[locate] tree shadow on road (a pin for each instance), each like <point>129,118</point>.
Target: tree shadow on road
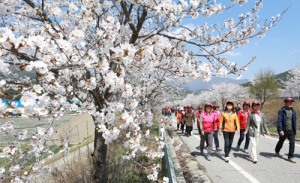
<point>270,155</point>
<point>244,156</point>
<point>196,153</point>
<point>295,155</point>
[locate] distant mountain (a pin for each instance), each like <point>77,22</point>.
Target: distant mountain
<point>12,68</point>
<point>281,76</point>
<point>197,85</point>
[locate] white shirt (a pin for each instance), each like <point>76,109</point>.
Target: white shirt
<point>258,121</point>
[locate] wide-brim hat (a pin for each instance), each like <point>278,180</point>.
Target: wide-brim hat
<point>181,108</point>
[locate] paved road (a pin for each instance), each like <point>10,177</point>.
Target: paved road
<point>240,168</point>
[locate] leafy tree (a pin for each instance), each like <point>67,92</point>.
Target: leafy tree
<point>264,86</point>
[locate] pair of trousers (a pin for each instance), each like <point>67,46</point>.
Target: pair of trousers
<point>207,136</point>
<point>182,126</point>
<point>189,129</point>
<point>254,143</point>
<point>199,130</point>
<point>228,138</point>
<point>178,123</point>
<point>291,136</point>
<point>241,139</point>
<point>216,139</point>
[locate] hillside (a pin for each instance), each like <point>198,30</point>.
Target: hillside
<point>198,85</point>
<point>20,73</point>
<point>31,74</point>
<point>278,77</point>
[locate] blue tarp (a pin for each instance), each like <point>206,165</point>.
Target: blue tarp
<point>18,102</point>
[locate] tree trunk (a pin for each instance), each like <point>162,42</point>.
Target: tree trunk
<point>99,159</point>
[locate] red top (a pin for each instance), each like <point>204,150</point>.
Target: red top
<point>243,118</point>
<point>217,120</point>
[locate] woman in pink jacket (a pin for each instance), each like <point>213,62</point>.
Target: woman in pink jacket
<point>207,129</point>
<point>217,122</point>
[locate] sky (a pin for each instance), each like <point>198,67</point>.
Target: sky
<point>279,49</point>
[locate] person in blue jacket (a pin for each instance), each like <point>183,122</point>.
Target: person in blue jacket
<point>287,128</point>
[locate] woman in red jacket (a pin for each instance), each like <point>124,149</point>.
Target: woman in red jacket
<point>243,116</point>
<point>207,129</point>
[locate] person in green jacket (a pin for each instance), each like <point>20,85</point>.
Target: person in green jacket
<point>189,118</point>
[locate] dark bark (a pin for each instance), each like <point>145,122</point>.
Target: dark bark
<point>99,159</point>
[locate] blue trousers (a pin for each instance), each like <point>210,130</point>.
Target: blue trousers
<point>242,136</point>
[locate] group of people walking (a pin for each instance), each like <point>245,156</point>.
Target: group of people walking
<point>248,124</point>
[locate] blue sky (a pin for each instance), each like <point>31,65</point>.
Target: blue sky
<point>279,49</point>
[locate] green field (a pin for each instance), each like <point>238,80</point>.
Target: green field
<point>29,124</point>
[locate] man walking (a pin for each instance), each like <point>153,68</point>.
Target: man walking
<point>287,128</point>
<point>238,108</point>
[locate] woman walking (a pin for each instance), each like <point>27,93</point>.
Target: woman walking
<point>199,113</point>
<point>243,116</point>
<point>216,126</point>
<point>189,118</point>
<point>255,123</point>
<point>227,123</point>
<point>179,118</point>
<point>207,123</point>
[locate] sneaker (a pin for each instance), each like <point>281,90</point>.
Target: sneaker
<point>182,132</point>
<point>219,149</point>
<point>208,158</point>
<point>246,151</point>
<point>201,152</point>
<point>188,135</point>
<point>254,160</point>
<point>291,160</point>
<point>226,159</point>
<point>238,147</point>
<point>177,129</point>
<point>250,156</point>
<point>277,154</point>
<point>180,129</point>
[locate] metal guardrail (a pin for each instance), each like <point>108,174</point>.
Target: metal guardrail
<point>170,167</point>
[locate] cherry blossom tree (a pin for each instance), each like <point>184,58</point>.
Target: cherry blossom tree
<point>292,83</point>
<point>221,93</point>
<point>116,57</point>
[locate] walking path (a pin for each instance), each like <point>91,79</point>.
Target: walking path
<point>240,168</point>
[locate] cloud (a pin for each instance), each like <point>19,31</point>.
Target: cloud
<point>233,54</point>
<point>294,51</point>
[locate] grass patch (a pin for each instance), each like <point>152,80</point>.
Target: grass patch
<point>29,124</point>
<point>274,130</point>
